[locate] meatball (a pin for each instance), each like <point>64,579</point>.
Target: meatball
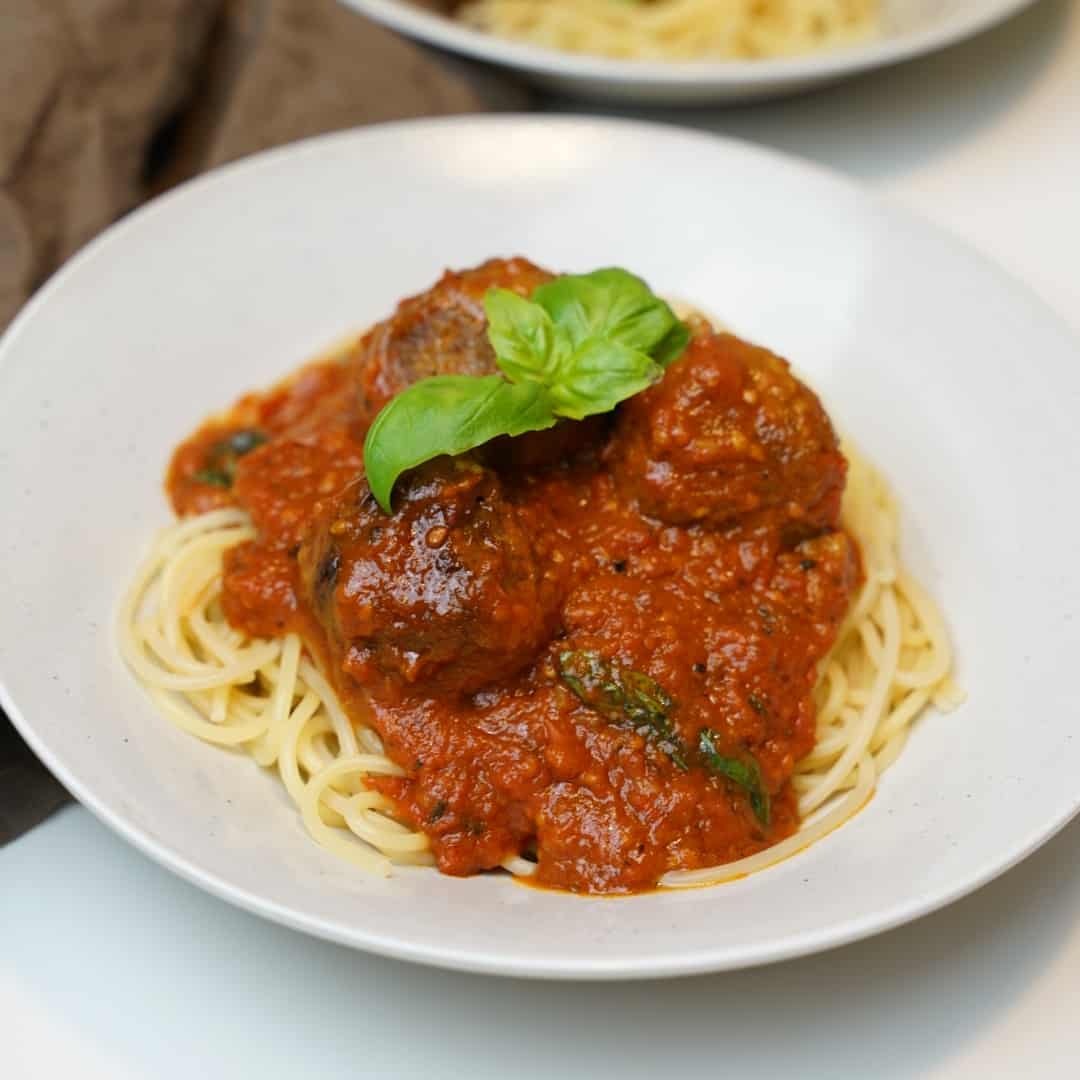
<point>730,435</point>
<point>454,590</point>
<point>815,581</point>
<point>440,332</point>
<point>444,332</point>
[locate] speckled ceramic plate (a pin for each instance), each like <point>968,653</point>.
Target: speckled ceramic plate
<point>963,388</point>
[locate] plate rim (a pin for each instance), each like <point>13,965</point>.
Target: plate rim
<point>752,75</point>
<point>478,960</point>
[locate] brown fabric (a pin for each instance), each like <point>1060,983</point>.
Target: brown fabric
<point>28,794</point>
<point>106,102</point>
<point>83,86</point>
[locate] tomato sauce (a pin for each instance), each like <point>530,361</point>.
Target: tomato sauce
<point>685,554</point>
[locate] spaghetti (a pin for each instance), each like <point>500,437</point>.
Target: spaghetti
<point>678,29</point>
<point>268,698</point>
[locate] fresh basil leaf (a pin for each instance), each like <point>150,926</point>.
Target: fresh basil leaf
<point>448,414</point>
<point>521,333</point>
<point>221,460</point>
<point>565,302</point>
<point>582,343</point>
<point>624,697</point>
<point>672,345</point>
<point>626,310</point>
<point>599,375</point>
<point>612,304</point>
<point>743,772</point>
<point>213,477</point>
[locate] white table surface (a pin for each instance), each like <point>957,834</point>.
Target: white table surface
<point>110,967</point>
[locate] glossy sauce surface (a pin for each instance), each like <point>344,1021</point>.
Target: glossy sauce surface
<point>686,547</point>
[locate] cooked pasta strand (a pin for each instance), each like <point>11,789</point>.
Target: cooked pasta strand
<point>891,660</point>
<point>678,29</point>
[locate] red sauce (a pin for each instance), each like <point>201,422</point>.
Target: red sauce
<point>692,538</point>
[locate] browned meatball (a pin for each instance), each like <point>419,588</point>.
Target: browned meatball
<point>449,593</point>
<point>440,332</point>
<point>730,434</point>
<point>816,580</point>
<point>444,332</point>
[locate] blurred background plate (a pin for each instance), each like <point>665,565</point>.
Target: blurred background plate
<point>910,28</point>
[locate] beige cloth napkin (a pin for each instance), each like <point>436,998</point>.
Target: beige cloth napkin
<point>106,102</point>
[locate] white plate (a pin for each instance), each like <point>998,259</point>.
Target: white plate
<point>910,28</point>
<point>958,383</point>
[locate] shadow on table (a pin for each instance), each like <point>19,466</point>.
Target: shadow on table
<point>894,1006</point>
<point>888,122</point>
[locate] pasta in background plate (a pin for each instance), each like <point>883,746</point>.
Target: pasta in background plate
<point>678,29</point>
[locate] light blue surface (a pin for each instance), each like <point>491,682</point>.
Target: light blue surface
<point>169,982</point>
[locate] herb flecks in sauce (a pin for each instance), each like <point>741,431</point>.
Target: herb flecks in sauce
<point>741,771</point>
<point>631,698</point>
<point>623,696</point>
<point>220,468</point>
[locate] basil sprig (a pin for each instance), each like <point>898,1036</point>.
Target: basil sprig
<point>578,346</point>
<point>632,699</point>
<point>448,414</point>
<point>743,772</point>
<point>625,697</point>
